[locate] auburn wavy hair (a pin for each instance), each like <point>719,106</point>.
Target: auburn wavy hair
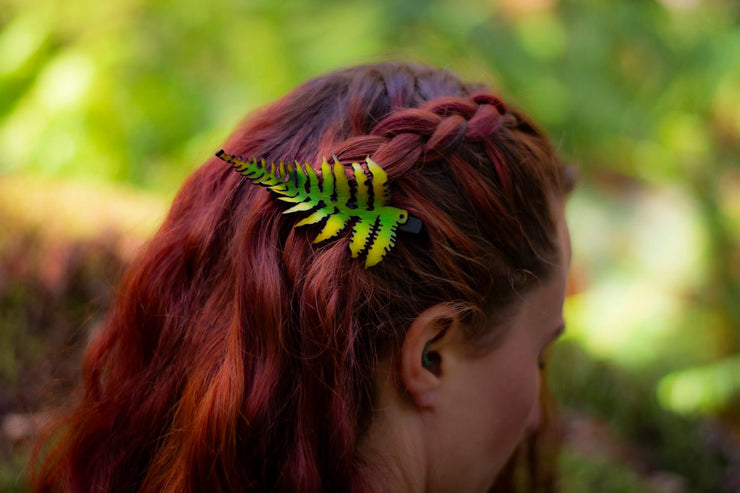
<point>238,355</point>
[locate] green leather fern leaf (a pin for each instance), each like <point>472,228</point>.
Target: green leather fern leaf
<point>336,197</point>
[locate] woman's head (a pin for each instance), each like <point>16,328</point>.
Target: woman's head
<point>239,354</point>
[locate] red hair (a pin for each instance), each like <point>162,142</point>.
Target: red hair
<point>240,356</point>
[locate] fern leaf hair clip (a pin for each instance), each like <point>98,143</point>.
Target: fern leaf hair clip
<point>330,195</point>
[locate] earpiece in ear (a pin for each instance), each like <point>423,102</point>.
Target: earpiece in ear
<point>431,359</point>
<point>426,361</point>
<point>424,351</point>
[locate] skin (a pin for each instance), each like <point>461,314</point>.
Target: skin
<point>453,425</point>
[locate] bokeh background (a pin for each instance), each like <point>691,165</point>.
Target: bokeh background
<point>105,107</point>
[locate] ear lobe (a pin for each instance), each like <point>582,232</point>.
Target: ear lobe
<point>421,360</point>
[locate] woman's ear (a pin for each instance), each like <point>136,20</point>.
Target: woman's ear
<point>422,362</point>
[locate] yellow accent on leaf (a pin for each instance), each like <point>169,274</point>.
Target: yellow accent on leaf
<point>334,225</point>
<point>359,237</point>
<point>302,206</point>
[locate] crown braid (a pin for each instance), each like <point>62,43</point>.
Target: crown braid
<point>430,133</point>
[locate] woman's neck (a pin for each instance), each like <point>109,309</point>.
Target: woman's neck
<point>392,450</point>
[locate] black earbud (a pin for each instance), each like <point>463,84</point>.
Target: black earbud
<point>430,359</point>
<point>426,357</point>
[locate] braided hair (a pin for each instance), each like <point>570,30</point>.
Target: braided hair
<point>238,355</point>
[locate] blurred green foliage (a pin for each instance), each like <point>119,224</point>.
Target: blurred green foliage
<point>595,474</point>
<point>644,97</point>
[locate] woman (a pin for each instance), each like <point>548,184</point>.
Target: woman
<point>399,352</point>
